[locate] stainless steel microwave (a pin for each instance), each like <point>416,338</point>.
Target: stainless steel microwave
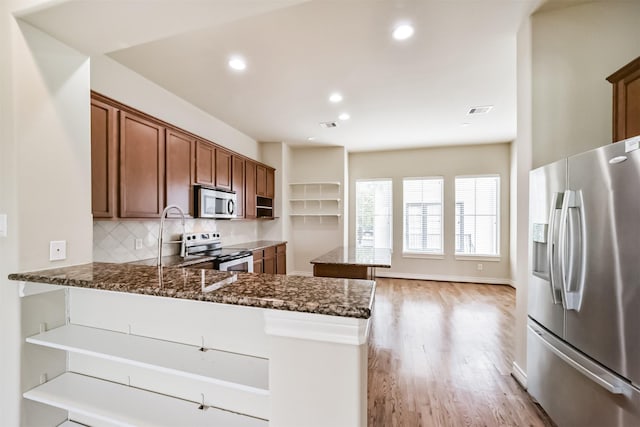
<point>213,203</point>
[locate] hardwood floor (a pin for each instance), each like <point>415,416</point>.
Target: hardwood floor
<point>440,355</point>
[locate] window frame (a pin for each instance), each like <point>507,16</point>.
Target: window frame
<point>480,256</point>
<point>406,253</point>
<point>355,221</point>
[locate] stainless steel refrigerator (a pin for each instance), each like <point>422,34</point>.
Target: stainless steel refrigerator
<point>583,337</point>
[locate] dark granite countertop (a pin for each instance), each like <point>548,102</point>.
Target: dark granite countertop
<point>174,261</point>
<point>367,257</point>
<point>335,297</point>
<point>254,246</point>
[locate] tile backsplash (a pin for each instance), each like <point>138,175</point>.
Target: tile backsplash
<point>114,241</point>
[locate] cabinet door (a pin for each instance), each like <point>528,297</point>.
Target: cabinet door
<point>281,259</point>
<point>269,260</point>
<point>223,169</point>
<point>270,183</point>
<point>237,184</point>
<point>250,190</point>
<point>257,261</point>
<point>261,181</point>
<point>179,166</point>
<point>104,158</point>
<point>141,167</point>
<point>626,101</point>
<point>205,164</point>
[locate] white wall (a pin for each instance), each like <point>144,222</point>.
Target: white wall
<point>314,236</point>
<point>574,50</point>
<point>45,188</point>
<point>447,162</point>
<point>520,167</point>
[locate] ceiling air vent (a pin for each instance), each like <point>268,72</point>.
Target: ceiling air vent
<point>480,110</point>
<point>328,125</point>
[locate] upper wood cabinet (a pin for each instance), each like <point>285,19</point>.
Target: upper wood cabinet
<point>104,159</point>
<point>237,183</point>
<point>261,180</point>
<point>141,167</point>
<point>270,192</point>
<point>180,170</point>
<point>250,190</point>
<point>205,163</point>
<point>626,100</point>
<point>223,169</point>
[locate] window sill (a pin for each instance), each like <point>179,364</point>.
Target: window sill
<point>487,258</point>
<point>422,255</point>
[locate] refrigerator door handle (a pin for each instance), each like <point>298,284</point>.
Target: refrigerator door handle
<point>570,271</point>
<point>611,387</point>
<point>552,246</point>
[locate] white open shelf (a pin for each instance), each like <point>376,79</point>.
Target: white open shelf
<point>232,370</point>
<point>121,405</point>
<point>315,200</point>
<point>316,214</point>
<point>316,183</point>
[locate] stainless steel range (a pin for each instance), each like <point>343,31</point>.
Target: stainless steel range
<point>208,244</point>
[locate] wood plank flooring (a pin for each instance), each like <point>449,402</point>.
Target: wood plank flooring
<point>440,354</point>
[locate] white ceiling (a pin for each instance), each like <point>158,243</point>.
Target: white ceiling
<point>399,94</point>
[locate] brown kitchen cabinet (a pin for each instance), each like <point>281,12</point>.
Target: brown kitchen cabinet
<point>261,180</point>
<point>180,170</point>
<point>237,183</point>
<point>104,159</point>
<point>269,260</point>
<point>140,164</point>
<point>223,169</point>
<point>250,190</point>
<point>205,163</point>
<point>281,259</point>
<point>626,100</point>
<point>270,183</point>
<point>142,147</point>
<point>257,261</point>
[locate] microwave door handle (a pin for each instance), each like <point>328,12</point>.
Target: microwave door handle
<point>231,207</point>
<point>552,247</point>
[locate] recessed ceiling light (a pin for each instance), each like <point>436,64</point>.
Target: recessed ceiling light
<point>464,125</point>
<point>335,97</point>
<point>237,63</point>
<point>311,138</point>
<point>403,32</point>
<point>344,116</point>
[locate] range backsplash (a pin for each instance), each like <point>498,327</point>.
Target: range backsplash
<point>114,241</point>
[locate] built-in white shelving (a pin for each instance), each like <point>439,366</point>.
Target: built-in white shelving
<point>247,373</point>
<point>117,404</point>
<point>315,199</point>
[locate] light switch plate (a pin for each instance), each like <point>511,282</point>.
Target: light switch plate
<point>57,250</point>
<point>3,225</point>
<point>138,244</point>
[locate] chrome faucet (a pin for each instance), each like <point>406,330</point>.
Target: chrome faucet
<point>161,232</point>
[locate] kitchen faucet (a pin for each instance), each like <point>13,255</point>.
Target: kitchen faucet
<point>161,232</point>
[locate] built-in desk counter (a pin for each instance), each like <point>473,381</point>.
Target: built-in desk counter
<point>352,263</point>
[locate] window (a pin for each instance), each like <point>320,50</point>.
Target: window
<point>422,217</point>
<point>477,220</point>
<point>373,213</point>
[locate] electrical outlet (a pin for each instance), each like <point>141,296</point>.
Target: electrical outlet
<point>57,250</point>
<point>479,267</point>
<point>138,244</point>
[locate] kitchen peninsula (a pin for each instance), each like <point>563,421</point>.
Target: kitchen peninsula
<point>240,349</point>
<point>350,262</point>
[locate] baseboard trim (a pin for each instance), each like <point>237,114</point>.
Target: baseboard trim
<point>519,375</point>
<point>444,278</point>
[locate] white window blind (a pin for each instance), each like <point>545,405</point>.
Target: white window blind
<point>422,218</point>
<point>477,219</point>
<point>373,213</point>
